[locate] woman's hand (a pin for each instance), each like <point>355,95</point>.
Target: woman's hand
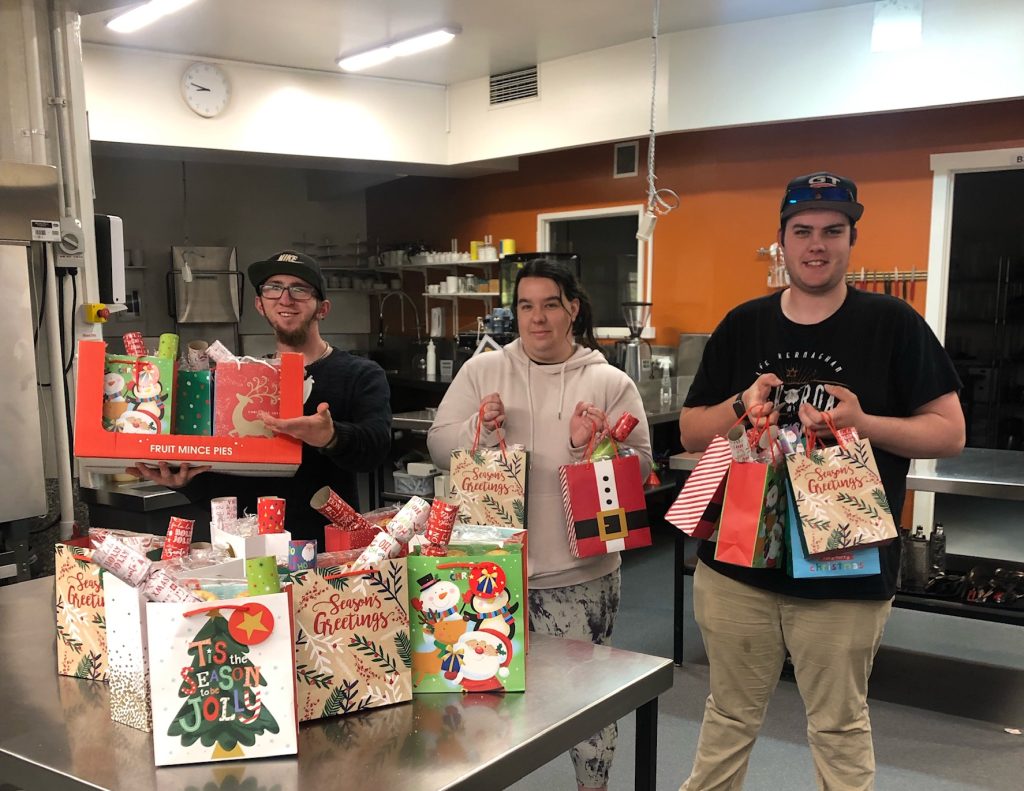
<point>492,411</point>
<point>586,421</point>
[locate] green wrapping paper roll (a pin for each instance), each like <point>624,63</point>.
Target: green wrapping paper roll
<point>168,348</point>
<point>261,574</point>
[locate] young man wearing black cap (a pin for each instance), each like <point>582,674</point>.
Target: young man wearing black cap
<point>871,362</point>
<point>346,426</point>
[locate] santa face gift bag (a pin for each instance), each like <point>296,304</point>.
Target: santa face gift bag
<point>222,679</point>
<point>468,613</point>
<point>352,645</point>
<point>489,484</point>
<point>840,498</point>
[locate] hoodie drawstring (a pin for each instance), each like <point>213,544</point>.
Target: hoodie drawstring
<point>561,389</point>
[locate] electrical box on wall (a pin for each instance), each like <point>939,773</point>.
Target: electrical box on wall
<point>110,258</point>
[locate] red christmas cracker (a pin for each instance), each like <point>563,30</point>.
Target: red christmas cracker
<point>179,538</point>
<point>134,346</point>
<point>623,426</point>
<point>329,503</point>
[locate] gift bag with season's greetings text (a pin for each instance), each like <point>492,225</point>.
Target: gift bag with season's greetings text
<point>138,394</point>
<point>848,563</point>
<point>222,679</point>
<point>751,531</point>
<point>605,506</point>
<point>699,505</point>
<point>81,613</point>
<point>352,646</point>
<point>468,613</point>
<point>840,498</point>
<point>243,389</point>
<point>193,403</point>
<point>489,484</point>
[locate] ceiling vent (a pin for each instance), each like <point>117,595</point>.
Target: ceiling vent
<point>514,85</point>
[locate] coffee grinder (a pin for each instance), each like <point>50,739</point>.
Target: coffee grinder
<point>635,353</point>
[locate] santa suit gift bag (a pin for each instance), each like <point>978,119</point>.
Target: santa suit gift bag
<point>605,506</point>
<point>352,645</point>
<point>468,612</point>
<point>222,679</point>
<point>489,484</point>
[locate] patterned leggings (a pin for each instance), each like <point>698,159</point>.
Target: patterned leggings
<point>582,612</point>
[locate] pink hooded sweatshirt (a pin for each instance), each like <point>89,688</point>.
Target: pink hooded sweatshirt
<point>539,402</point>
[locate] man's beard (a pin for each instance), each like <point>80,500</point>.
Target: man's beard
<point>297,337</point>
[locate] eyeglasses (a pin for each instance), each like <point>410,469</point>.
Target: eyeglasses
<point>805,194</point>
<point>275,290</point>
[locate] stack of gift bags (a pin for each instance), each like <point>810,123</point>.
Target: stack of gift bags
<point>208,391</point>
<point>773,498</point>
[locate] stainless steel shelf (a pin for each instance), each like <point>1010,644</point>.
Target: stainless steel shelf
<point>977,472</point>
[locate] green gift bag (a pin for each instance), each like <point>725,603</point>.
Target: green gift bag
<point>468,619</point>
<point>193,407</point>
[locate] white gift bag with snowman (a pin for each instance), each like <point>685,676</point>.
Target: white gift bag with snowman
<point>138,394</point>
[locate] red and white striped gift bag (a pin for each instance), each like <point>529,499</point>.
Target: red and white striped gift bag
<point>699,504</point>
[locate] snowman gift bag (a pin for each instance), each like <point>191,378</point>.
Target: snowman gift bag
<point>138,394</point>
<point>468,614</point>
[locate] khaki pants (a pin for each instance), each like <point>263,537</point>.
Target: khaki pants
<point>746,633</point>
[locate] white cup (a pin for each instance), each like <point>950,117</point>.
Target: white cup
<point>452,283</point>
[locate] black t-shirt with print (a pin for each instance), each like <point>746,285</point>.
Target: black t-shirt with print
<point>875,345</point>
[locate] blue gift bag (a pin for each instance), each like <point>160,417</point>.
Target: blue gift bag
<point>853,563</point>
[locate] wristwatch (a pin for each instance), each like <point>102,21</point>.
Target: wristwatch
<point>739,407</point>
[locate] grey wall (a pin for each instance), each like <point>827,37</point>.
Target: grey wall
<point>256,209</point>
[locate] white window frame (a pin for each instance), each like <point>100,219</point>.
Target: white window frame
<point>644,254</point>
<point>945,168</point>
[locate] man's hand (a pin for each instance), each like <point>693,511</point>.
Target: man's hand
<point>164,475</point>
<point>846,414</point>
<point>586,420</point>
<point>316,430</point>
<point>492,411</point>
<point>757,400</point>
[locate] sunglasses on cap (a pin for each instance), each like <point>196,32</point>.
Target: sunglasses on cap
<point>810,194</point>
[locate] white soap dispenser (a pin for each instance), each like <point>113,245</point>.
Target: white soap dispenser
<point>431,361</point>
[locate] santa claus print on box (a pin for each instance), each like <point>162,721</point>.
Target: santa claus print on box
<point>468,620</point>
<point>138,394</point>
<point>222,679</point>
<point>243,389</point>
<point>352,646</point>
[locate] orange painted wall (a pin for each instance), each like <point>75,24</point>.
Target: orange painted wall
<point>731,182</point>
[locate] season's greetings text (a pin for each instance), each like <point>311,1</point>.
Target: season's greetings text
<point>830,480</point>
<point>340,612</point>
<point>493,481</point>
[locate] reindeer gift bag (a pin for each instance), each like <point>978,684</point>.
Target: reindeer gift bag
<point>243,389</point>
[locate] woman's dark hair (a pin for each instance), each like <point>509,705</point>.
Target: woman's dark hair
<point>568,287</point>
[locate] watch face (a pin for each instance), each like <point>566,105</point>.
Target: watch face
<point>206,89</point>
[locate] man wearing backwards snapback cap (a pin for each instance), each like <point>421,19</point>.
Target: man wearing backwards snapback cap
<point>346,427</point>
<point>871,362</point>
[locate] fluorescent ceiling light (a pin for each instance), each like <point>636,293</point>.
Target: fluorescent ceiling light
<point>400,48</point>
<point>146,14</point>
<point>897,25</point>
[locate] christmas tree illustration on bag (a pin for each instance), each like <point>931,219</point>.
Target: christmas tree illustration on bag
<point>222,701</point>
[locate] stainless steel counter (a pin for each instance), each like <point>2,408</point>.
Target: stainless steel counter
<point>977,472</point>
<point>139,497</point>
<point>56,732</point>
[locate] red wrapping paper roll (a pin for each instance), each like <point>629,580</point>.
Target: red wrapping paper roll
<point>134,346</point>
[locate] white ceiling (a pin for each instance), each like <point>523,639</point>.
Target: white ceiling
<point>497,35</point>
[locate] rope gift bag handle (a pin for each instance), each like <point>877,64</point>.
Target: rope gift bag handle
<point>498,431</point>
<point>592,441</point>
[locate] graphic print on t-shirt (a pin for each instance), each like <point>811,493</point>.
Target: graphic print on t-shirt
<point>804,375</point>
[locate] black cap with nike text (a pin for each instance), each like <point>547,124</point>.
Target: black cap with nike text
<point>288,262</point>
<point>821,191</point>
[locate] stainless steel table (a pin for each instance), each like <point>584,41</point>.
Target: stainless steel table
<point>976,472</point>
<point>56,732</point>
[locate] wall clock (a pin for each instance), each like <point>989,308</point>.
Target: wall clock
<point>206,89</point>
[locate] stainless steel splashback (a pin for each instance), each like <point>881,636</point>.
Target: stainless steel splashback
<point>204,285</point>
<point>689,353</point>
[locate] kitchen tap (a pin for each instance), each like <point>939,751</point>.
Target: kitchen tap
<point>415,310</point>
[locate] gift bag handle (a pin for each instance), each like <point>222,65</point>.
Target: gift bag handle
<point>593,440</point>
<point>831,423</point>
<point>497,429</point>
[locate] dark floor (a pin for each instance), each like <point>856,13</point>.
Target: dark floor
<point>942,692</point>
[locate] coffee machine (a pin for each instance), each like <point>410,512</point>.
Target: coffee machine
<point>634,354</point>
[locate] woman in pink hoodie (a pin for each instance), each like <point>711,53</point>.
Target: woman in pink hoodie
<point>549,390</point>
